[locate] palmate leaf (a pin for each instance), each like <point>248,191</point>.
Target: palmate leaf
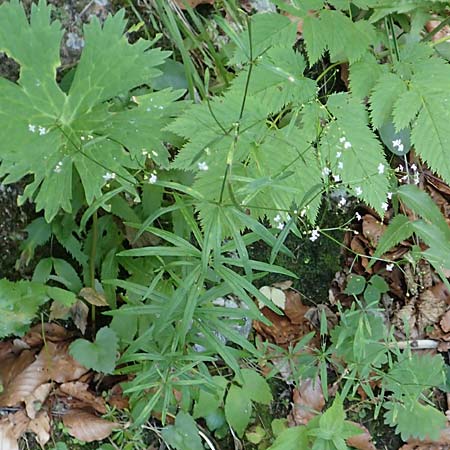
<point>352,152</point>
<point>48,134</point>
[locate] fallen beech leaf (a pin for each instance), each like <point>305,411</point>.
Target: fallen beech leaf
<point>52,363</point>
<point>40,426</point>
<point>87,427</point>
<point>12,365</point>
<point>294,309</point>
<point>7,439</point>
<point>117,399</point>
<point>308,401</point>
<point>34,401</point>
<point>361,441</point>
<point>93,297</point>
<point>51,331</point>
<point>80,391</point>
<point>445,322</point>
<point>372,229</point>
<point>79,313</point>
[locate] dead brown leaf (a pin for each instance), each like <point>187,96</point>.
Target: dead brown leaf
<point>445,322</point>
<point>361,441</point>
<point>53,363</point>
<point>79,390</point>
<point>40,426</point>
<point>87,427</point>
<point>93,297</point>
<point>308,401</point>
<point>372,229</point>
<point>50,331</point>
<point>7,439</point>
<point>79,313</point>
<point>33,403</point>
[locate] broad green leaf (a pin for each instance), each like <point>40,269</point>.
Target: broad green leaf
<point>183,434</point>
<point>76,131</point>
<point>363,76</point>
<point>294,438</point>
<point>99,355</point>
<point>256,387</point>
<point>19,303</point>
<point>398,230</point>
<point>355,285</point>
<point>238,409</point>
<point>209,402</point>
<point>422,204</point>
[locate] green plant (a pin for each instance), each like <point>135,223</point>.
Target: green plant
<point>152,200</point>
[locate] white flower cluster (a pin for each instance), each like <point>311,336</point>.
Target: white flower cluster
<point>109,176</point>
<point>397,143</point>
<point>41,130</point>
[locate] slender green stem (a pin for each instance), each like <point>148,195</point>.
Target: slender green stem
<point>92,263</point>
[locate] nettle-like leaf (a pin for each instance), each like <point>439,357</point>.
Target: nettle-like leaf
<point>337,33</point>
<point>416,95</point>
<point>47,133</point>
<point>353,153</point>
<point>408,380</point>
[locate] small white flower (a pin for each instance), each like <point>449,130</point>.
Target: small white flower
<point>280,226</point>
<point>82,138</point>
<point>314,235</point>
<point>413,167</point>
<point>337,178</point>
<point>358,190</point>
<point>400,148</point>
<point>396,143</point>
<point>380,168</point>
<point>416,178</point>
<point>58,167</point>
<point>32,128</point>
<point>90,137</point>
<point>358,216</point>
<point>347,144</point>
<point>389,267</point>
<point>109,176</point>
<point>42,131</point>
<point>399,168</point>
<point>326,171</point>
<point>303,212</point>
<point>144,152</point>
<point>342,139</point>
<point>202,166</point>
<point>342,201</point>
<point>154,153</point>
<point>384,206</point>
<point>340,165</point>
<point>291,78</point>
<point>153,179</point>
<point>389,195</point>
<point>404,179</point>
<point>338,154</point>
<point>277,218</point>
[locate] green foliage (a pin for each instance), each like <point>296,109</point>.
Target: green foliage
<point>19,303</point>
<point>76,134</point>
<point>183,434</point>
<point>99,355</point>
<point>408,381</point>
<point>327,431</point>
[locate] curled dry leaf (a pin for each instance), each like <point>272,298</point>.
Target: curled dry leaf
<point>372,229</point>
<point>40,426</point>
<point>445,322</point>
<point>7,439</point>
<point>87,427</point>
<point>79,391</point>
<point>52,364</point>
<point>93,297</point>
<point>308,401</point>
<point>361,441</point>
<point>33,403</point>
<point>79,313</point>
<point>50,331</point>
